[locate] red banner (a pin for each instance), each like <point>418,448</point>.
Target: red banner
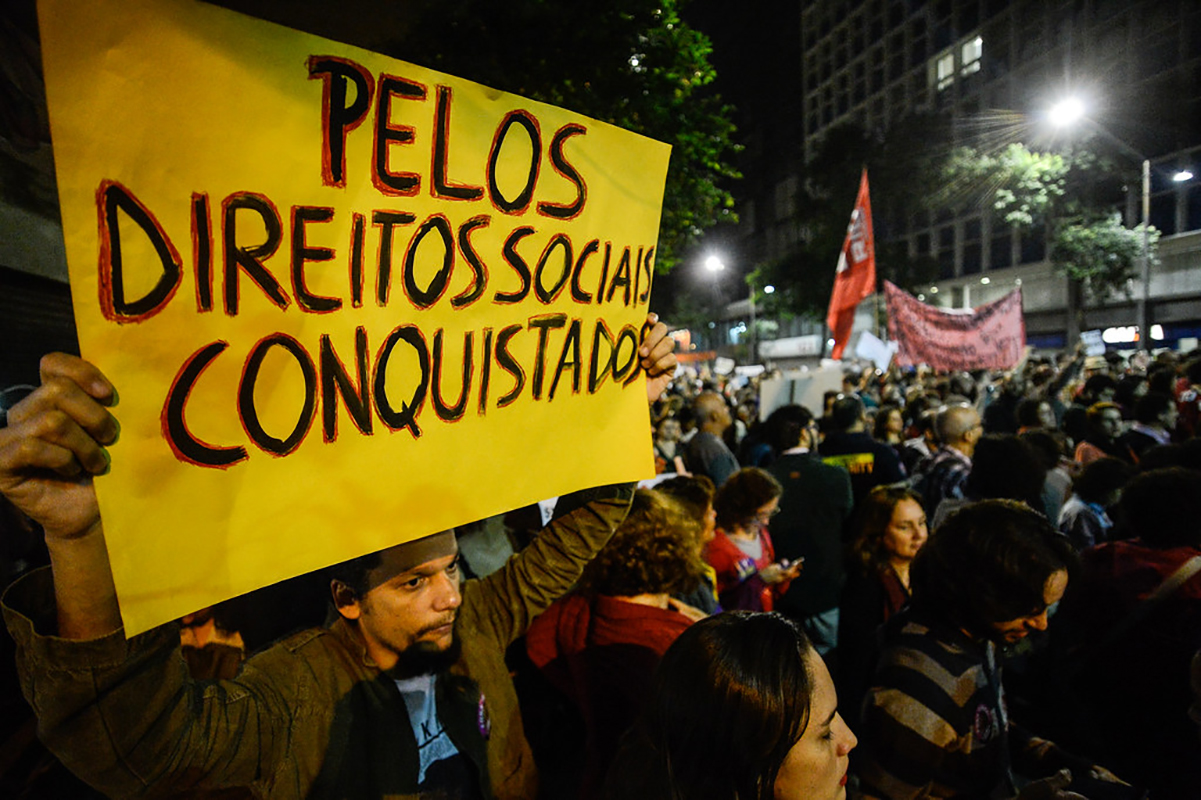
<point>991,337</point>
<point>855,278</point>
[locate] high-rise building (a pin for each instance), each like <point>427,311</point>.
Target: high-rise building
<point>1136,65</point>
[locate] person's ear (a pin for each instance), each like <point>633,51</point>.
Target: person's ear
<point>345,600</point>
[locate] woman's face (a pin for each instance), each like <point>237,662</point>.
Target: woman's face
<point>762,517</point>
<point>816,766</point>
<point>1046,416</point>
<point>906,531</point>
<point>896,422</point>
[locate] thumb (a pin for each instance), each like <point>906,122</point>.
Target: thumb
<point>1061,779</point>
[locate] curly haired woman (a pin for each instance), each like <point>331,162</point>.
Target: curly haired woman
<point>601,644</point>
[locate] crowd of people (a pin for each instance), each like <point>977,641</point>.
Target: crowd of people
<point>804,603</point>
<point>1087,591</point>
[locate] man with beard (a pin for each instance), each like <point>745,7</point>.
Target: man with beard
<point>406,694</point>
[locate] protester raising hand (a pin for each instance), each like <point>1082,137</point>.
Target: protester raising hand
<point>54,444</point>
<point>656,356</point>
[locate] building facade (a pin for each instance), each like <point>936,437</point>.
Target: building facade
<point>998,65</point>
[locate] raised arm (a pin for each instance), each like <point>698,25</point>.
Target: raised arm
<point>53,445</point>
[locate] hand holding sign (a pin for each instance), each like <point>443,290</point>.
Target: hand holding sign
<point>54,444</point>
<point>657,357</point>
<point>49,452</point>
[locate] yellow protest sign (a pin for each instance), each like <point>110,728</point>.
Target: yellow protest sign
<point>347,301</point>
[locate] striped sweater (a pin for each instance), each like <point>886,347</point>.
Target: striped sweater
<point>935,723</point>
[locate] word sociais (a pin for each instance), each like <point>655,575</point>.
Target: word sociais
<point>589,273</point>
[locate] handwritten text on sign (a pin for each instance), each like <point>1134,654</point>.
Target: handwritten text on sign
<point>272,233</point>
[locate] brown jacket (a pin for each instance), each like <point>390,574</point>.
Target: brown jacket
<point>308,717</point>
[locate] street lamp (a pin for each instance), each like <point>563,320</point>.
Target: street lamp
<point>1066,113</point>
<point>714,265</point>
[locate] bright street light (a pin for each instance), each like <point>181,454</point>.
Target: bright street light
<point>1182,176</point>
<point>769,289</point>
<point>1066,112</point>
<point>714,264</point>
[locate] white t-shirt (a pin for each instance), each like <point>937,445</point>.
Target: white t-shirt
<point>444,772</point>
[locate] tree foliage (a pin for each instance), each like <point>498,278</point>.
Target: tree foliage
<point>633,63</point>
<point>1101,253</point>
<point>1074,195</point>
<point>1021,185</point>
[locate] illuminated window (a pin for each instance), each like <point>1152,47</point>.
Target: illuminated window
<point>970,53</point>
<point>945,71</point>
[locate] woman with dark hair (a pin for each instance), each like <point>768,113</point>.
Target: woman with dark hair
<point>600,645</point>
<point>743,708</point>
<point>889,426</point>
<point>748,576</point>
<point>1034,413</point>
<point>891,531</point>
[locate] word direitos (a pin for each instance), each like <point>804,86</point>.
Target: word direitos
<point>561,261</point>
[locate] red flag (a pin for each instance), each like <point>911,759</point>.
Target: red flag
<point>856,275</point>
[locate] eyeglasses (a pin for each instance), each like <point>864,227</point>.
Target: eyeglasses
<point>765,516</point>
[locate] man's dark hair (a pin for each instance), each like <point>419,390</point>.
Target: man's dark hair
<point>1097,384</point>
<point>353,573</point>
<point>846,412</point>
<point>1162,507</point>
<point>989,563</point>
<point>1004,466</point>
<point>743,494</point>
<point>1161,456</point>
<point>1128,387</point>
<point>1101,478</point>
<point>785,425</point>
<point>1150,406</point>
<point>1161,379</point>
<point>694,492</point>
<point>1049,445</point>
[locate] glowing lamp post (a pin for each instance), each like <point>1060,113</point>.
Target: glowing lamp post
<point>1068,112</point>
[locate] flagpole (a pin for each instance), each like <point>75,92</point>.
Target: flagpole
<point>876,288</point>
